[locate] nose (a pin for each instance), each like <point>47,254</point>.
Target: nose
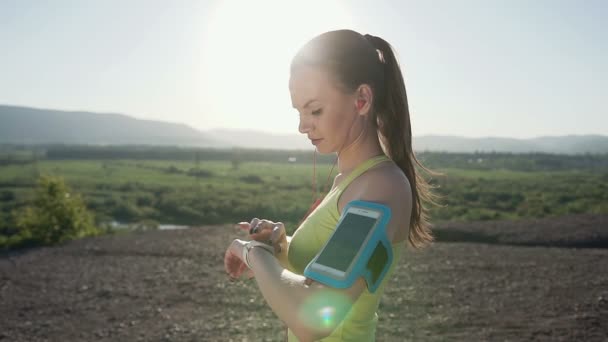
<point>305,125</point>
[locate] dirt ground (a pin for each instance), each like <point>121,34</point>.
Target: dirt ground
<point>170,286</point>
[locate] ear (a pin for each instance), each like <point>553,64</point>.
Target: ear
<point>364,99</point>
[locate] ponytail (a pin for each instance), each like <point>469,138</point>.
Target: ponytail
<point>392,118</point>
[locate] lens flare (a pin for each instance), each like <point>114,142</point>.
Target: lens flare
<point>323,309</point>
<point>327,314</point>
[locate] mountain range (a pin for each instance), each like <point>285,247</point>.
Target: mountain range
<point>29,126</point>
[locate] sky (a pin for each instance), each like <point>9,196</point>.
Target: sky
<point>503,68</point>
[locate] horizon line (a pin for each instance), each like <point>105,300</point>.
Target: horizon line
<point>276,133</point>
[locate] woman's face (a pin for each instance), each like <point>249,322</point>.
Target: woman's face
<point>326,112</point>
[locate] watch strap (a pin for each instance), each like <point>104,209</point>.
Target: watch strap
<point>249,245</point>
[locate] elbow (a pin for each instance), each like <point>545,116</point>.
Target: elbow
<point>321,310</point>
<point>310,335</point>
<point>314,331</point>
<point>321,335</point>
<point>325,311</point>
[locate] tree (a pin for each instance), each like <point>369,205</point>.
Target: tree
<point>57,214</point>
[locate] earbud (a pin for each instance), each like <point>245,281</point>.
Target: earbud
<point>360,104</point>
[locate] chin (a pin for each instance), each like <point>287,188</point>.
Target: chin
<point>324,150</point>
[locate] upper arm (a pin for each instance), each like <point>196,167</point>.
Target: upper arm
<point>385,186</point>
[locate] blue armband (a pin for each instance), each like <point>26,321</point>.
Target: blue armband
<point>358,247</point>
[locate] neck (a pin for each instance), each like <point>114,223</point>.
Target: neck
<point>368,146</point>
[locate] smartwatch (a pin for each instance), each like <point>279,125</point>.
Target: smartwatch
<point>249,245</point>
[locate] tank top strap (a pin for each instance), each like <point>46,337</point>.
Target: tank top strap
<point>360,169</point>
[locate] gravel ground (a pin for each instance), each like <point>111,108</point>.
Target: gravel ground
<point>170,286</point>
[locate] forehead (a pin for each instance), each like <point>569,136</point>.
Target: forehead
<point>310,83</point>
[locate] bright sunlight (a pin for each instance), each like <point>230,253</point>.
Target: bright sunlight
<point>247,50</point>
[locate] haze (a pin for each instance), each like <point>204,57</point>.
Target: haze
<point>473,68</point>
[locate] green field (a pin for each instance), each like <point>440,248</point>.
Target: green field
<point>172,191</point>
<point>200,191</point>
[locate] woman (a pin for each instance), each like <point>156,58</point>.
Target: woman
<point>350,93</point>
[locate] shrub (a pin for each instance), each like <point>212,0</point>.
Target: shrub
<point>252,179</point>
<point>200,173</point>
<point>57,215</point>
<point>7,196</point>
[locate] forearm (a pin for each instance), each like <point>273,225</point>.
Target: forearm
<point>283,290</point>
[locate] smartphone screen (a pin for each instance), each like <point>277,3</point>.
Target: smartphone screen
<point>346,241</point>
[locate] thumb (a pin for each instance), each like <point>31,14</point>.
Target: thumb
<point>277,236</point>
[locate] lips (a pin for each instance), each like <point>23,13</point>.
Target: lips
<point>315,141</point>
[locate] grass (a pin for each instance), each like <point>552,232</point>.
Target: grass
<point>211,192</point>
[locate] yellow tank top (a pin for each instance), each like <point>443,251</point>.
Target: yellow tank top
<point>307,241</point>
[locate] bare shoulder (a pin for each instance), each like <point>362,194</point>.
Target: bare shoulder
<point>388,185</point>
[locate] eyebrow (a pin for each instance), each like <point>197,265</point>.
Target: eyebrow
<point>308,103</point>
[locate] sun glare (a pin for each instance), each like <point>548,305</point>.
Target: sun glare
<point>247,49</point>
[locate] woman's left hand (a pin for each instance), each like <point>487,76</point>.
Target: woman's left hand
<point>233,264</point>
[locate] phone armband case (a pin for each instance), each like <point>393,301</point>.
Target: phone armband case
<point>373,259</point>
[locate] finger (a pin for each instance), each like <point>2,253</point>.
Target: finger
<point>263,226</point>
<point>244,225</point>
<point>252,226</point>
<point>278,231</point>
<point>263,235</point>
<point>280,235</point>
<point>276,239</point>
<point>267,222</point>
<point>255,230</point>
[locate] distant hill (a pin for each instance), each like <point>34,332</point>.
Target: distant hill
<point>570,144</point>
<point>23,125</point>
<point>258,139</point>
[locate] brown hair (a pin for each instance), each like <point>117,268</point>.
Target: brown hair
<point>355,59</point>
